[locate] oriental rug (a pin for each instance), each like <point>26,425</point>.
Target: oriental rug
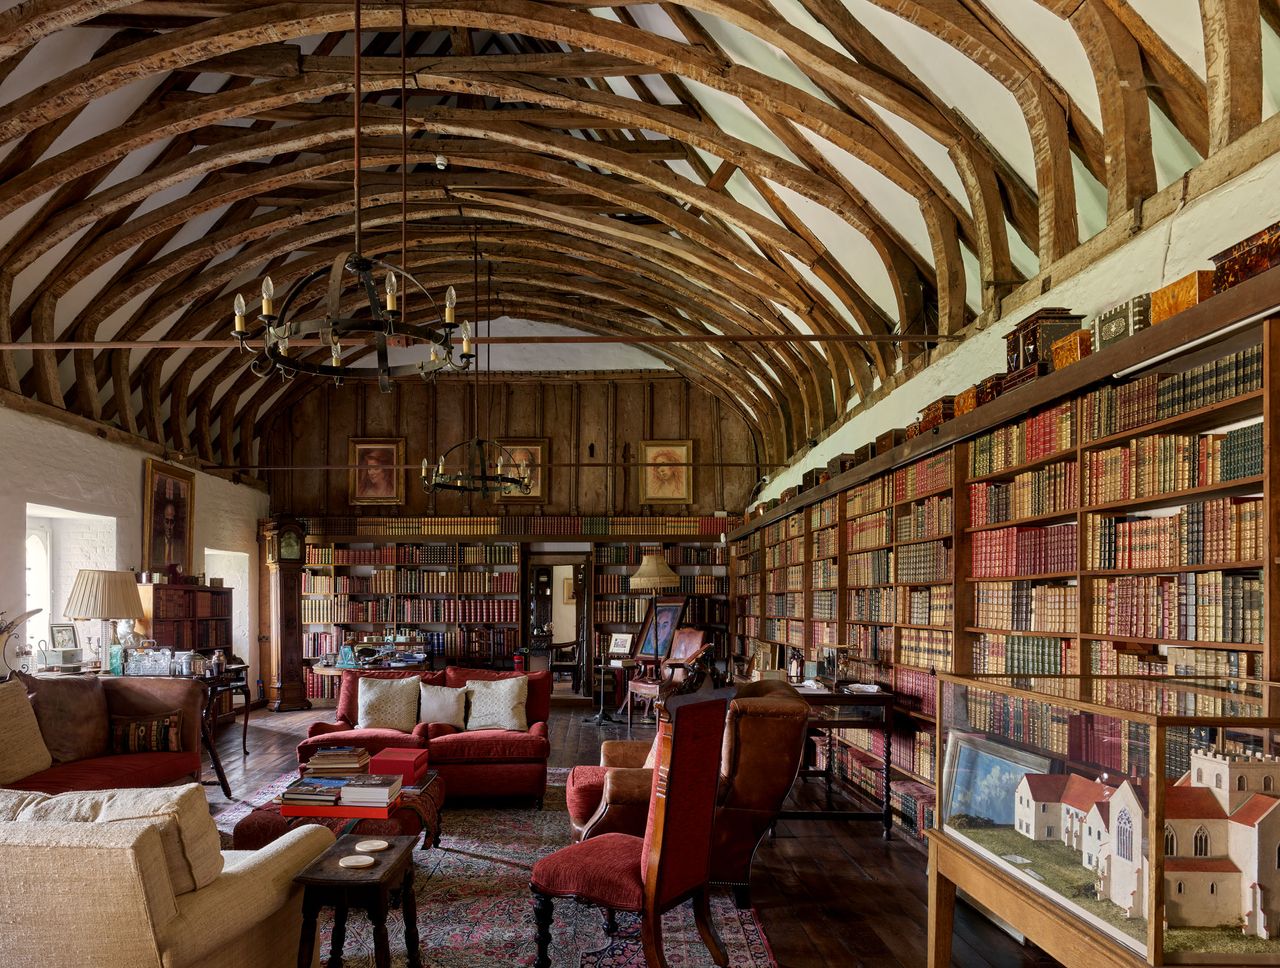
<point>475,909</point>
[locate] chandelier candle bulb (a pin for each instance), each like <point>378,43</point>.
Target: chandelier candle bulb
<point>239,308</point>
<point>450,300</point>
<point>391,292</point>
<point>268,294</point>
<point>466,339</point>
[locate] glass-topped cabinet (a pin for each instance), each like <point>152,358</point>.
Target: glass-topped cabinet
<point>1148,808</point>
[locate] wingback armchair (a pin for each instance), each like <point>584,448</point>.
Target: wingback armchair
<point>763,744</point>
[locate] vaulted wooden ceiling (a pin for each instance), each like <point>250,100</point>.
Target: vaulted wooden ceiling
<point>724,167</point>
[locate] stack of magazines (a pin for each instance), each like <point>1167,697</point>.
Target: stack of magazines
<point>311,792</point>
<point>337,761</point>
<point>376,790</point>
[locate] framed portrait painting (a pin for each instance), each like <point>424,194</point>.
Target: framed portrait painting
<point>666,472</point>
<point>659,628</point>
<point>529,455</point>
<point>376,474</point>
<point>168,507</point>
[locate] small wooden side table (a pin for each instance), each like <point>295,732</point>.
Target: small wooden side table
<point>328,885</point>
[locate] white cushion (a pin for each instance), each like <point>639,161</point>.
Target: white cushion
<point>387,703</point>
<point>22,749</point>
<point>498,703</point>
<point>192,848</point>
<point>440,704</point>
<point>13,802</point>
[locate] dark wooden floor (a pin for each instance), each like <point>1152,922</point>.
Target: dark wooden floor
<point>828,894</point>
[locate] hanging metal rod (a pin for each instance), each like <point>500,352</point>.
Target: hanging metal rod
<point>414,467</point>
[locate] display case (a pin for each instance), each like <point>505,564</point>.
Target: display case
<point>1144,810</point>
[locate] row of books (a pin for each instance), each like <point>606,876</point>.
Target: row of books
<point>927,605</point>
<point>871,642</point>
<point>789,579</point>
<point>930,518</point>
<point>825,573</point>
<point>341,610</point>
<point>786,605</point>
<point>329,555</point>
<point>871,604</point>
<point>621,612</point>
<point>1209,606</point>
<point>929,561</point>
<point>869,531</point>
<point>1010,552</point>
<point>1024,655</point>
<point>1124,659</point>
<point>1221,531</point>
<point>379,583</point>
<point>1027,721</point>
<point>370,790</point>
<point>1213,663</point>
<point>824,605</point>
<point>471,611</point>
<point>868,496</point>
<point>1040,435</point>
<point>824,513</point>
<point>702,585</point>
<point>784,631</point>
<point>788,552</point>
<point>706,611</point>
<point>916,690</point>
<point>514,525</point>
<point>1048,490</point>
<point>869,568</point>
<point>427,554</point>
<point>824,634</point>
<point>676,554</point>
<point>1169,463</point>
<point>1026,606</point>
<point>925,649</point>
<point>1157,396</point>
<point>826,543</point>
<point>932,473</point>
<point>491,554</point>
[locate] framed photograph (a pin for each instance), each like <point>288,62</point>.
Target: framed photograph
<point>63,637</point>
<point>659,628</point>
<point>980,779</point>
<point>168,507</point>
<point>620,645</point>
<point>569,596</point>
<point>529,454</point>
<point>666,472</point>
<point>376,475</point>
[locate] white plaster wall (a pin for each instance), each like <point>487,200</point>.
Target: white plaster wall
<point>75,543</point>
<point>47,463</point>
<point>564,618</point>
<point>1163,253</point>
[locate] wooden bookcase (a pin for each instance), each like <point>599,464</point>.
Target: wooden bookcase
<point>187,618</point>
<point>1023,551</point>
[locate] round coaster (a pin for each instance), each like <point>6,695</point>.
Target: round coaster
<point>357,860</point>
<point>372,846</point>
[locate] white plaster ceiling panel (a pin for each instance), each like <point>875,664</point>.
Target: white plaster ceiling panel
<point>1178,24</point>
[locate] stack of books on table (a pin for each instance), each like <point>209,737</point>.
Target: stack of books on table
<point>337,761</point>
<point>357,797</point>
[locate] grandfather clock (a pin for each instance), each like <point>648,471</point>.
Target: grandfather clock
<point>286,686</point>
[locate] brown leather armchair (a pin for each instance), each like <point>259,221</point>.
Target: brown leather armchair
<point>763,742</point>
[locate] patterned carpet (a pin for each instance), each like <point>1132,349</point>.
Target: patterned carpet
<point>475,909</point>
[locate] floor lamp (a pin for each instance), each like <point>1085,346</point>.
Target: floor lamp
<point>653,575</point>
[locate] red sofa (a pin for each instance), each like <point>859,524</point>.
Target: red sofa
<point>478,763</point>
<point>140,696</point>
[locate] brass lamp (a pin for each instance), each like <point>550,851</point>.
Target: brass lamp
<point>105,595</point>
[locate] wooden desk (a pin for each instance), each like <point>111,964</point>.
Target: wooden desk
<point>830,710</point>
<point>327,884</point>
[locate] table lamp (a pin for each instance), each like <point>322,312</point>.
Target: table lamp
<point>109,596</point>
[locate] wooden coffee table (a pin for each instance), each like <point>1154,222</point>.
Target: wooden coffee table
<point>326,884</point>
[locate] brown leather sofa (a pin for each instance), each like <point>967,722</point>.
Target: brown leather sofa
<point>763,743</point>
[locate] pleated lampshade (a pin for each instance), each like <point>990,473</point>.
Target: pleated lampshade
<point>654,574</point>
<point>104,594</point>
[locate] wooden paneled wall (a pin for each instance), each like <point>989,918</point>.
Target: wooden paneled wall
<point>588,420</point>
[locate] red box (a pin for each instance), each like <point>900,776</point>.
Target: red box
<point>339,811</point>
<point>409,763</point>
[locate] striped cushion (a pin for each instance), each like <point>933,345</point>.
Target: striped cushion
<point>147,734</point>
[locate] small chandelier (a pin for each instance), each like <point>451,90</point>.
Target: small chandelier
<point>483,467</point>
<point>378,322</point>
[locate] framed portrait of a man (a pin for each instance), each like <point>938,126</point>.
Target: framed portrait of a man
<point>376,474</point>
<point>528,455</point>
<point>659,628</point>
<point>167,514</point>
<point>666,472</point>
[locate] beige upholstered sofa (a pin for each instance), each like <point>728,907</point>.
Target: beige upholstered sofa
<point>136,879</point>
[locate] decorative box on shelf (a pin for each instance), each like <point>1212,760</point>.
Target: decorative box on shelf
<point>1121,321</point>
<point>1072,348</point>
<point>1012,381</point>
<point>966,401</point>
<point>1244,260</point>
<point>790,492</point>
<point>1032,339</point>
<point>913,430</point>
<point>1089,792</point>
<point>990,388</point>
<point>813,477</point>
<point>937,413</point>
<point>1183,294</point>
<point>844,462</point>
<point>890,439</point>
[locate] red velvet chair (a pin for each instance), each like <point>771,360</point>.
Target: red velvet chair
<point>671,862</point>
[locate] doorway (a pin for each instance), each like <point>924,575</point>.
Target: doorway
<point>558,627</point>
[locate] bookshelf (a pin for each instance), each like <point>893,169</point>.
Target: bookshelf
<point>187,617</point>
<point>1108,519</point>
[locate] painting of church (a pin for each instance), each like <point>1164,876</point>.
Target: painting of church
<point>1221,839</point>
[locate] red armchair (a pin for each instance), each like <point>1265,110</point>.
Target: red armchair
<point>345,732</point>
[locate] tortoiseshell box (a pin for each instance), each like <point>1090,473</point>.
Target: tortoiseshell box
<point>1244,260</point>
<point>1072,348</point>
